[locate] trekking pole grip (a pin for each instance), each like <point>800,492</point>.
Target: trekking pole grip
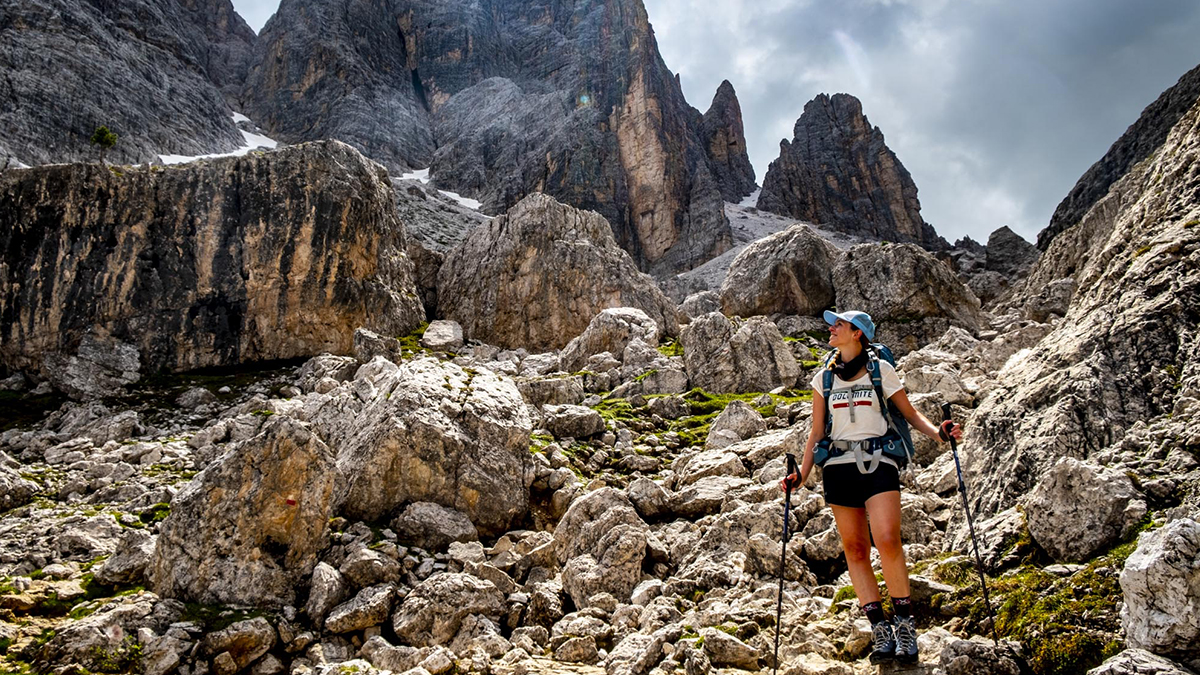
<point>945,411</point>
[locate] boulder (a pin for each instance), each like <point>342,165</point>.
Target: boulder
<point>327,590</point>
<point>434,432</point>
<point>1161,583</point>
<point>243,642</point>
<point>724,649</point>
<point>247,529</point>
<point>14,490</point>
<point>912,296</point>
<point>648,497</point>
<point>573,421</point>
<point>722,356</point>
<point>432,613</point>
<point>635,654</point>
<point>738,417</point>
<point>443,336</point>
<point>699,303</point>
<point>601,542</point>
<point>537,275</point>
<point>610,331</point>
<point>367,567</point>
<point>788,272</point>
<point>978,655</point>
<point>127,566</point>
<point>433,526</point>
<point>99,366</point>
<point>369,344</point>
<point>1139,662</point>
<point>1080,509</point>
<point>266,256</point>
<point>369,608</point>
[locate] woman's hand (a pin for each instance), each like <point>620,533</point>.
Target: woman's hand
<point>950,429</point>
<point>790,482</point>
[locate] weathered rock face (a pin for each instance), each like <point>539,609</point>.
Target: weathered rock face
<point>433,432</point>
<point>269,256</point>
<point>912,297</point>
<point>1009,254</point>
<point>724,137</point>
<point>1080,508</point>
<point>1161,582</point>
<point>601,542</point>
<point>1125,352</point>
<point>536,276</point>
<point>610,331</point>
<point>1140,140</point>
<point>152,72</point>
<point>503,99</point>
<point>838,171</point>
<point>722,356</point>
<point>249,527</point>
<point>790,272</point>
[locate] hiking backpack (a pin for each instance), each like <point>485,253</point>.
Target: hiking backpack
<point>897,443</point>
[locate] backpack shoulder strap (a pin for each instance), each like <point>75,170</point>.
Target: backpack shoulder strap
<point>875,369</point>
<point>826,388</point>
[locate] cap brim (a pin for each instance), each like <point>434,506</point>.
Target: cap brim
<point>831,318</point>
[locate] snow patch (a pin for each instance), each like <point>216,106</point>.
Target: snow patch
<point>467,202</point>
<point>253,142</point>
<point>423,176</point>
<point>751,199</point>
<point>420,174</point>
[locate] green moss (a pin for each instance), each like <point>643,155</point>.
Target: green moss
<point>125,658</point>
<point>671,348</point>
<point>1143,249</point>
<point>616,409</point>
<point>844,593</point>
<point>156,513</point>
<point>37,574</point>
<point>644,375</point>
<point>216,617</point>
<point>5,643</point>
<point>263,413</point>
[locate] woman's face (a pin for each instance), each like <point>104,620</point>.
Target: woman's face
<point>841,334</point>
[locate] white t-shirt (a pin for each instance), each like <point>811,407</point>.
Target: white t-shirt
<point>853,405</point>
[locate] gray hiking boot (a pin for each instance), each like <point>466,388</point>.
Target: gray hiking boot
<point>906,639</point>
<point>883,642</point>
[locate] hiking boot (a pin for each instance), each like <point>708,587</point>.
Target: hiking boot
<point>883,642</point>
<point>906,639</point>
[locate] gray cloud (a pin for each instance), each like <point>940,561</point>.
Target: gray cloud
<point>996,107</point>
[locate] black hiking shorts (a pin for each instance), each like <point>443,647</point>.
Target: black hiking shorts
<point>845,486</point>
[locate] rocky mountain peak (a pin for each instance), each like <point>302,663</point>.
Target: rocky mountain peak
<point>838,171</point>
<point>725,140</point>
<point>1139,141</point>
<point>501,100</point>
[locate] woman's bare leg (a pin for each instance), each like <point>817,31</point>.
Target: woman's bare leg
<point>884,511</point>
<point>856,543</point>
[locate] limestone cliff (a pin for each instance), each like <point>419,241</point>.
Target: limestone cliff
<point>269,256</point>
<point>503,99</point>
<point>153,72</point>
<point>1123,359</point>
<point>839,172</point>
<point>1140,140</point>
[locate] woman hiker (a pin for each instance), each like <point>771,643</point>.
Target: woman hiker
<point>855,496</point>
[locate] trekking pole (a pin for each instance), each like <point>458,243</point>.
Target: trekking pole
<point>787,508</point>
<point>962,489</point>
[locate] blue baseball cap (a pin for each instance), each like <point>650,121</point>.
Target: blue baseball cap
<point>860,320</point>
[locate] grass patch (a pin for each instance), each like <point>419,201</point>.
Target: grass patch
<point>155,514</point>
<point>215,617</point>
<point>673,347</point>
<point>1066,624</point>
<point>646,374</point>
<point>616,409</point>
<point>124,658</point>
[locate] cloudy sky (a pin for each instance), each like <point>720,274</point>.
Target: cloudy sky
<point>996,107</point>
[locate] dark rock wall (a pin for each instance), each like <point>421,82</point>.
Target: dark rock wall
<point>725,139</point>
<point>1138,142</point>
<point>838,171</point>
<point>268,256</point>
<point>153,72</point>
<point>503,99</point>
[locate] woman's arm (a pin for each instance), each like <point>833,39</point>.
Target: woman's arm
<point>816,433</point>
<point>918,421</point>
